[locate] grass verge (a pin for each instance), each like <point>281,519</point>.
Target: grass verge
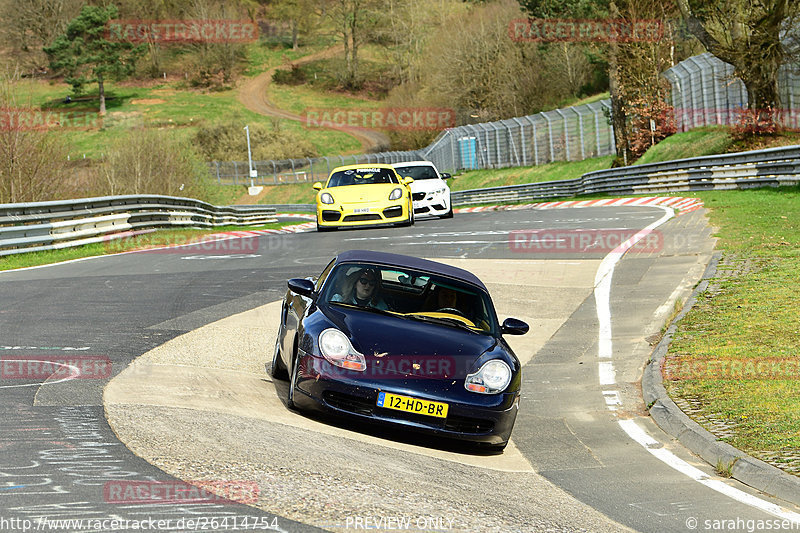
<point>155,239</point>
<point>735,353</point>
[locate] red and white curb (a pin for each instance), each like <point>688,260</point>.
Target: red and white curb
<point>680,204</point>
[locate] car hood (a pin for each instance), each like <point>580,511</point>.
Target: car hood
<point>374,192</point>
<point>409,347</point>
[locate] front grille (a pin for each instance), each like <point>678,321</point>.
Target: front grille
<point>330,216</point>
<point>345,402</point>
<point>418,196</point>
<point>393,212</point>
<point>361,218</point>
<point>462,424</point>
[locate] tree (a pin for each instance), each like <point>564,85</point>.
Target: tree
<point>301,15</point>
<point>749,36</point>
<point>86,55</point>
<point>353,18</point>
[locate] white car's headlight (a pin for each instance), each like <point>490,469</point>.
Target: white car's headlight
<point>492,378</point>
<point>337,350</point>
<point>396,194</point>
<point>326,198</point>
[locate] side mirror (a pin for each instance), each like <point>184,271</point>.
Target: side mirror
<point>408,180</point>
<point>303,287</point>
<point>446,176</point>
<point>512,326</point>
<point>317,186</point>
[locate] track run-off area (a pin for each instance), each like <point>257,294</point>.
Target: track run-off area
<point>160,377</point>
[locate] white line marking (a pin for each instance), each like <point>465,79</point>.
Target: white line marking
<point>657,449</point>
<point>602,295</point>
<point>74,373</point>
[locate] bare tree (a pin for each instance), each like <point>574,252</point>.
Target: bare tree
<point>749,36</point>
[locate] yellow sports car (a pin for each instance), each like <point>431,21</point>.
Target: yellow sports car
<point>364,195</point>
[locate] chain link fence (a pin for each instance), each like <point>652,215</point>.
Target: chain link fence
<point>704,93</point>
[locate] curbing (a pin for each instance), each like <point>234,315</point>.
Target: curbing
<point>672,420</point>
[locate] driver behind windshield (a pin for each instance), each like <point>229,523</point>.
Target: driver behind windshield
<point>362,288</point>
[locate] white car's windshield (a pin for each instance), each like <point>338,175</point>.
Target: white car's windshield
<point>422,172</point>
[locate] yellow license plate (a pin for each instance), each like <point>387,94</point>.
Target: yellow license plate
<point>412,405</point>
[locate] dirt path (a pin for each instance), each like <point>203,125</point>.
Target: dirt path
<point>253,95</point>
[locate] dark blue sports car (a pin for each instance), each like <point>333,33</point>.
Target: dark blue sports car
<point>395,339</point>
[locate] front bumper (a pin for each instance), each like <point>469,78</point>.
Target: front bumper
<point>431,204</point>
<point>487,419</point>
<point>345,215</point>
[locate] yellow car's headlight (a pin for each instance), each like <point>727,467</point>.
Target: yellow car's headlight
<point>396,194</point>
<point>326,198</point>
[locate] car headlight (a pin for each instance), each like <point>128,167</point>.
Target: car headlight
<point>439,191</point>
<point>396,194</point>
<point>493,377</point>
<point>337,350</point>
<point>326,198</point>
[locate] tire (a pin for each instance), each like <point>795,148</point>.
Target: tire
<point>323,229</point>
<point>293,383</point>
<point>278,370</point>
<point>449,214</point>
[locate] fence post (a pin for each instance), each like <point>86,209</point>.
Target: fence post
<point>580,131</point>
<point>566,133</point>
<point>235,173</point>
<point>274,172</point>
<point>310,169</point>
<point>522,142</point>
<point>219,180</point>
<point>550,136</point>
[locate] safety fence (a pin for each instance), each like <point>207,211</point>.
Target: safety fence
<point>39,226</point>
<point>758,168</point>
<point>704,92</point>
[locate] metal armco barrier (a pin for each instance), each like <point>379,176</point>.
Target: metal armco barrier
<point>759,168</point>
<point>39,226</point>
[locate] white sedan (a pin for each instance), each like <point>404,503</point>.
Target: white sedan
<point>429,190</point>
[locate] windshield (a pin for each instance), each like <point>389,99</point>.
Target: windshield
<point>362,176</point>
<point>411,294</point>
<point>422,172</point>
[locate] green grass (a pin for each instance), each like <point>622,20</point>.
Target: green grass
<point>559,170</point>
<point>168,106</point>
<point>147,240</point>
<point>692,143</point>
<point>750,314</point>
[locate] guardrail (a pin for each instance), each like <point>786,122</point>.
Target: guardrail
<point>757,168</point>
<point>39,226</point>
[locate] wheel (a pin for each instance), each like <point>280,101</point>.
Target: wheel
<point>323,228</point>
<point>449,214</point>
<point>278,370</point>
<point>293,383</point>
